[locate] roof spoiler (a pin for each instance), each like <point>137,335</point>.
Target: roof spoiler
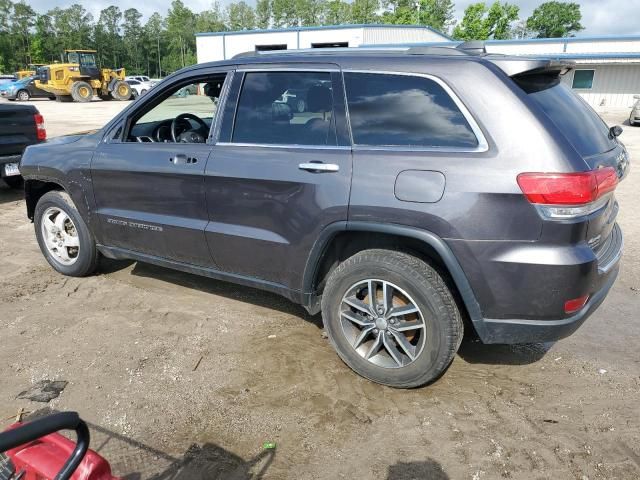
<point>521,66</point>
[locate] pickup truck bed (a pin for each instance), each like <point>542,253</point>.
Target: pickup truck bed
<point>20,126</point>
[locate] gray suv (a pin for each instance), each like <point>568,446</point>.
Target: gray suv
<point>419,193</point>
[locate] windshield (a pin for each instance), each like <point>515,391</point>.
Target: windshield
<point>88,59</point>
<point>575,119</point>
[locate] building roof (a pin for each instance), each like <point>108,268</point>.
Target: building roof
<point>323,27</point>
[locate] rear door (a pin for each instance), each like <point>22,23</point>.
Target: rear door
<point>277,176</point>
<point>149,186</point>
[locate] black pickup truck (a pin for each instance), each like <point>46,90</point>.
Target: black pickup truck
<point>20,126</point>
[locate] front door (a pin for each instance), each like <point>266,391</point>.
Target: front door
<point>280,172</point>
<point>148,180</point>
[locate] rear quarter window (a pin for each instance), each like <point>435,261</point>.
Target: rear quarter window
<point>404,110</point>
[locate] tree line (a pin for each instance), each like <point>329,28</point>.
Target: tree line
<point>163,44</point>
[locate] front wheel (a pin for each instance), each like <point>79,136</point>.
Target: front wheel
<point>121,91</point>
<point>23,95</point>
<point>391,318</point>
<point>63,236</point>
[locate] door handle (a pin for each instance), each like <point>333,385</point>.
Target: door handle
<point>319,167</point>
<point>182,159</point>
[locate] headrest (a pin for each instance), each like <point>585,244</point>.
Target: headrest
<point>319,99</point>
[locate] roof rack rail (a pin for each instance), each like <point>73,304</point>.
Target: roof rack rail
<point>473,47</point>
<point>435,51</point>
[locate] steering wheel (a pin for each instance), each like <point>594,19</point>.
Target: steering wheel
<point>187,116</point>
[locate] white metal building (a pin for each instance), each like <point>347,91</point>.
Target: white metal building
<point>608,73</point>
<point>222,45</point>
<point>608,67</point>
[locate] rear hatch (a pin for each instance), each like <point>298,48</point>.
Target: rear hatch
<point>17,128</point>
<point>591,138</point>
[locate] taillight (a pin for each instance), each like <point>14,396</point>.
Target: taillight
<point>568,195</point>
<point>41,131</point>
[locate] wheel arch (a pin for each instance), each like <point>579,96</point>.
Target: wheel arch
<point>34,189</point>
<point>341,240</point>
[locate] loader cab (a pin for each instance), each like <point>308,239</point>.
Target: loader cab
<point>85,59</point>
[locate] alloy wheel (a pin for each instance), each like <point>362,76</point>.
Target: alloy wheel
<point>60,236</point>
<point>382,323</point>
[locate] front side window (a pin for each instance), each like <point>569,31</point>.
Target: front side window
<point>403,110</point>
<point>185,115</point>
<point>286,108</point>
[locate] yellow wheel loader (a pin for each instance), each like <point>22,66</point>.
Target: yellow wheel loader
<point>78,78</point>
<point>30,71</point>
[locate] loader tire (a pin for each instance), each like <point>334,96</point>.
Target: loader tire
<point>81,91</point>
<point>121,91</point>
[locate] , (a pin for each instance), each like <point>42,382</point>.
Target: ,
<point>416,194</point>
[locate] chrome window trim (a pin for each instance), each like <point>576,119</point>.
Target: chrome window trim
<point>284,145</point>
<point>286,69</point>
<point>483,145</point>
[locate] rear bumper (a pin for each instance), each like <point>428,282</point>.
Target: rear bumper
<point>520,289</point>
<point>533,331</point>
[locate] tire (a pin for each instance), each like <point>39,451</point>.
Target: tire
<point>81,91</point>
<point>23,95</point>
<point>301,106</point>
<point>64,98</point>
<point>121,91</point>
<point>15,181</point>
<point>142,92</point>
<point>86,257</point>
<point>52,98</point>
<point>411,282</point>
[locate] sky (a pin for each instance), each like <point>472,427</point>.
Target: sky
<point>599,17</point>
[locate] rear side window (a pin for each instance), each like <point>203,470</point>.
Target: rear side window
<point>285,108</point>
<point>575,119</point>
<point>387,109</point>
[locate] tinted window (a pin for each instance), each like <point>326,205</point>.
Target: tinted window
<point>583,79</point>
<point>575,119</point>
<point>294,108</point>
<point>404,110</point>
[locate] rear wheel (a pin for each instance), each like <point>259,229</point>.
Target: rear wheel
<point>23,95</point>
<point>121,91</point>
<point>391,318</point>
<point>301,106</point>
<point>81,91</point>
<point>63,236</point>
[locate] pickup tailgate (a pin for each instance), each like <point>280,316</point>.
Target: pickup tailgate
<point>17,129</point>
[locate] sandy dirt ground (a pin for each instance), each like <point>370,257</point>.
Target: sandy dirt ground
<point>129,338</point>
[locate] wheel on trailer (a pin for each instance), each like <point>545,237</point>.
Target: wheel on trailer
<point>391,318</point>
<point>23,95</point>
<point>81,91</point>
<point>121,91</point>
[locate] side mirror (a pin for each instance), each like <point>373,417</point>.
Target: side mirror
<point>615,131</point>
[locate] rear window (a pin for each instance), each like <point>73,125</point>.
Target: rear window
<point>575,119</point>
<point>391,110</point>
